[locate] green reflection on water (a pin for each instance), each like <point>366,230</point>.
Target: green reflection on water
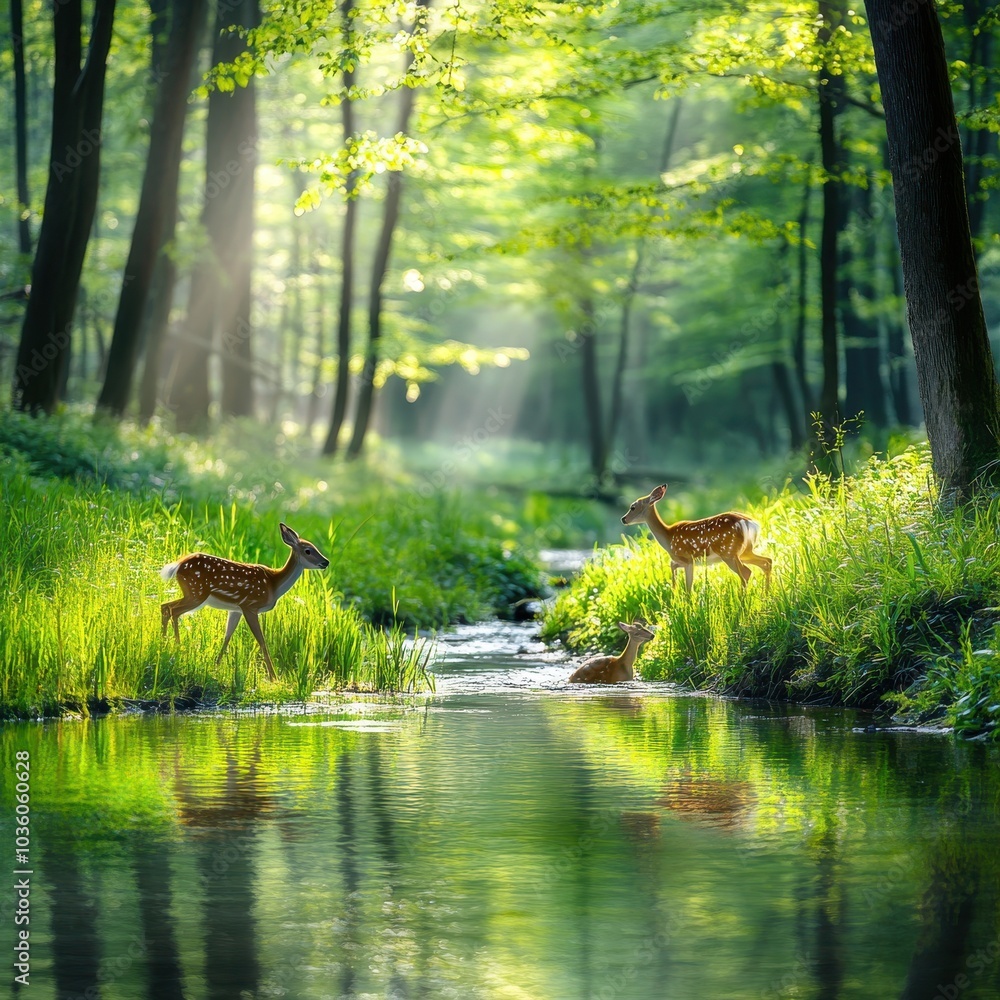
<point>510,846</point>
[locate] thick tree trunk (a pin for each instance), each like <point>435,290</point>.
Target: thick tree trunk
<point>383,249</point>
<point>343,383</point>
<point>20,127</point>
<point>70,201</point>
<point>220,285</point>
<point>950,343</point>
<point>233,224</point>
<point>156,204</point>
<point>831,89</point>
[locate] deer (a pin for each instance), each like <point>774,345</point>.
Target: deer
<point>614,669</point>
<point>243,589</point>
<point>727,538</point>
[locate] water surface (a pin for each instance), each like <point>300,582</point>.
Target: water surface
<point>511,836</point>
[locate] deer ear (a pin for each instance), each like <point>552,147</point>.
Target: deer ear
<point>658,492</point>
<point>623,626</point>
<point>288,536</point>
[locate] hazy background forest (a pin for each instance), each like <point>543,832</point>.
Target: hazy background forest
<point>614,222</point>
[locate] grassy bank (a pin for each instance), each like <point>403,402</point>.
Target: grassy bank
<point>879,597</point>
<point>88,517</point>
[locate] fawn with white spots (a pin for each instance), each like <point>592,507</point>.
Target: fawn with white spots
<point>727,538</point>
<point>614,669</point>
<point>242,589</point>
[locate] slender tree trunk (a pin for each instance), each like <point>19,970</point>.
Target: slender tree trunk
<point>156,204</point>
<point>618,378</point>
<point>799,338</point>
<point>20,127</point>
<point>590,374</point>
<point>899,385</point>
<point>862,351</point>
<point>950,342</point>
<point>831,88</point>
<point>383,249</point>
<point>317,374</point>
<point>977,142</point>
<point>343,383</point>
<point>70,201</point>
<point>793,414</point>
<point>220,285</point>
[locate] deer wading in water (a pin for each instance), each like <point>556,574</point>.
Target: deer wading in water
<point>727,538</point>
<point>614,669</point>
<point>243,589</point>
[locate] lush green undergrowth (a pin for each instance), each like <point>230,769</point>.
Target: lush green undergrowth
<point>88,516</point>
<point>879,595</point>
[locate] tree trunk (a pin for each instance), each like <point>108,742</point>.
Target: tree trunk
<point>831,89</point>
<point>70,201</point>
<point>783,385</point>
<point>799,339</point>
<point>156,204</point>
<point>977,141</point>
<point>618,378</point>
<point>220,284</point>
<point>587,335</point>
<point>899,386</point>
<point>383,249</point>
<point>233,223</point>
<point>343,383</point>
<point>950,343</point>
<point>862,351</point>
<point>20,127</point>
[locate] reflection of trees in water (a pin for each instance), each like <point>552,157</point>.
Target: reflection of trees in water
<point>347,840</point>
<point>224,826</point>
<point>151,864</point>
<point>76,947</point>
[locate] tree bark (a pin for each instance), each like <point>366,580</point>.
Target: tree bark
<point>156,204</point>
<point>20,127</point>
<point>390,217</point>
<point>945,312</point>
<point>70,202</point>
<point>343,383</point>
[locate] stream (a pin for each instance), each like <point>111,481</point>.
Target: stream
<point>507,836</point>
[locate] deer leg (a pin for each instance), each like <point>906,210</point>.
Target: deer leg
<point>689,576</point>
<point>254,622</point>
<point>172,610</point>
<point>742,570</point>
<point>232,620</point>
<point>763,563</point>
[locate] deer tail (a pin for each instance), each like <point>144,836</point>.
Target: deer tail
<point>169,571</point>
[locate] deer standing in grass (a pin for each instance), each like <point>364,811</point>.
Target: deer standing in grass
<point>727,538</point>
<point>242,589</point>
<point>614,669</point>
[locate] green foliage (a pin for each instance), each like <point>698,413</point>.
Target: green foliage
<point>875,587</point>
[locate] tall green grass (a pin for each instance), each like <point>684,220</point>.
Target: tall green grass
<point>89,515</point>
<point>878,592</point>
